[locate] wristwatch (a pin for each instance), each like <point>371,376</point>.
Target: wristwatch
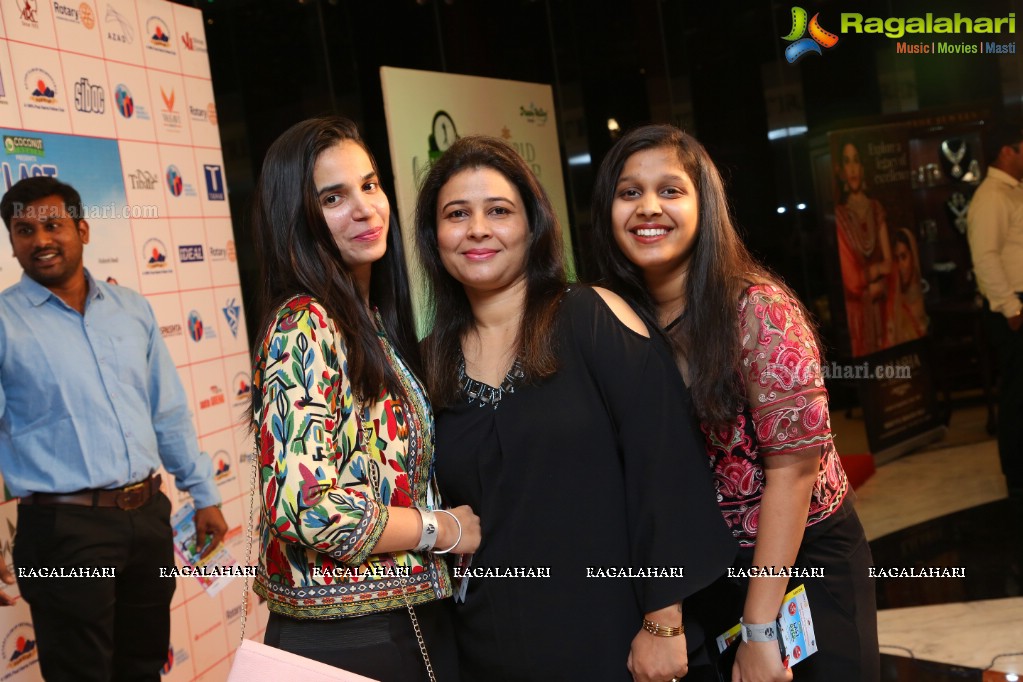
<point>766,632</point>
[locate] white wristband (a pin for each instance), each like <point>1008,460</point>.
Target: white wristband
<point>763,632</point>
<point>428,536</point>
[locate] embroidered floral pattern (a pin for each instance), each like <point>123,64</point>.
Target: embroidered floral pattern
<point>325,494</point>
<point>785,411</point>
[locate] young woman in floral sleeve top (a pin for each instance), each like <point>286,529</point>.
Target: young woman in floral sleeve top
<point>349,527</point>
<point>665,241</point>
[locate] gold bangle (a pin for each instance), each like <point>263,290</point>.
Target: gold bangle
<point>662,630</point>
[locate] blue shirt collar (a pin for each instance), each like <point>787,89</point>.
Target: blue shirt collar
<point>37,294</point>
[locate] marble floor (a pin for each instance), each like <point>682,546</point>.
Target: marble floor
<point>967,634</point>
<point>929,484</point>
<point>947,507</point>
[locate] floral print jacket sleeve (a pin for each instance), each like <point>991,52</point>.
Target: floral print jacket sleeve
<point>313,482</point>
<point>326,491</point>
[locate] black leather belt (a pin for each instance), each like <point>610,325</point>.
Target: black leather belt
<point>129,497</point>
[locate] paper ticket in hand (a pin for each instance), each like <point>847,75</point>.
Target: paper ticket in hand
<point>214,571</point>
<point>795,626</point>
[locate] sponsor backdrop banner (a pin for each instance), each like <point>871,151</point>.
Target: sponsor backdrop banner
<point>114,97</point>
<point>427,111</point>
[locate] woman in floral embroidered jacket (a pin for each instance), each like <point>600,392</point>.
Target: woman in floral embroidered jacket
<point>664,240</point>
<point>345,432</point>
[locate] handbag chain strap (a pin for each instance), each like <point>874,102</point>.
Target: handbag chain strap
<point>366,430</point>
<point>248,531</point>
<point>419,633</point>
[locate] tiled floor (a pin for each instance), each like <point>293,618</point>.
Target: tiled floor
<point>941,507</point>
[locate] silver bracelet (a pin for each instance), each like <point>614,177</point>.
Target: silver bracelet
<point>428,537</point>
<point>457,540</point>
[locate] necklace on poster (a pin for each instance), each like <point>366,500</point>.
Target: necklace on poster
<point>954,157</point>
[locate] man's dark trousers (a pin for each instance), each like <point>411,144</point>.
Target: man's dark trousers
<point>98,629</point>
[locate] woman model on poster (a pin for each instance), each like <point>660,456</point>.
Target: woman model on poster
<point>865,255</point>
<point>559,421</point>
<point>908,313</point>
<point>664,240</point>
<point>345,433</point>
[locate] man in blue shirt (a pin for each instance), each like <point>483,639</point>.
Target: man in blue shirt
<point>90,407</point>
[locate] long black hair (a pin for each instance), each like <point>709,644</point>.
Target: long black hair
<point>545,268</point>
<point>720,269</point>
<point>298,255</point>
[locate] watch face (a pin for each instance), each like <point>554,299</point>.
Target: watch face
<point>444,130</point>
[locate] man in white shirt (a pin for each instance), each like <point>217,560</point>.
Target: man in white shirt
<point>995,232</point>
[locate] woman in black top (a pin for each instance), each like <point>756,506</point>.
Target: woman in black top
<point>559,423</point>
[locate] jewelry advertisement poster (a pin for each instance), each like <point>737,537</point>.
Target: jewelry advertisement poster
<point>879,282</point>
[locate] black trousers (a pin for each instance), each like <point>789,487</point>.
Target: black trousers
<point>1009,345</point>
<point>382,646</point>
<point>843,604</point>
<point>98,629</point>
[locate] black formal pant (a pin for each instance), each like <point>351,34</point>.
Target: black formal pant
<point>98,629</point>
<point>1009,345</point>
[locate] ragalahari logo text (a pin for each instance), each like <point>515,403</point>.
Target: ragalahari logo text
<point>802,46</point>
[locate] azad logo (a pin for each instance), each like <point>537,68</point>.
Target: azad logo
<point>120,30</point>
